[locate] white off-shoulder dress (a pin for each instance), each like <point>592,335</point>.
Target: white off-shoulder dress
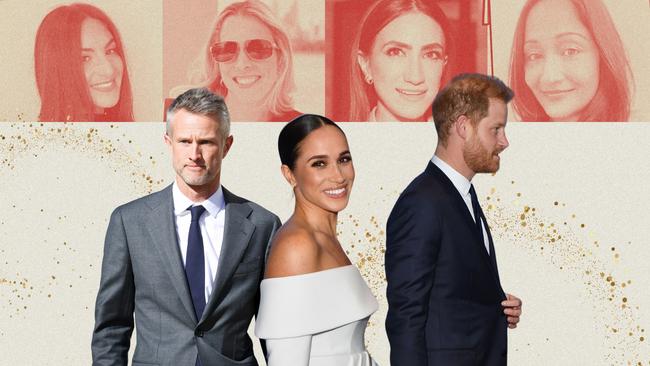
<point>316,319</point>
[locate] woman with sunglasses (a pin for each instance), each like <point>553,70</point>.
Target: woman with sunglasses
<point>248,60</point>
<point>314,303</point>
<point>81,72</point>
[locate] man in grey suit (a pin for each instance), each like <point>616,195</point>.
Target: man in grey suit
<point>187,260</point>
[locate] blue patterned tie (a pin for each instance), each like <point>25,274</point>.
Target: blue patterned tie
<point>194,264</point>
<point>477,213</point>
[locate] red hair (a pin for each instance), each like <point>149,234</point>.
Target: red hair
<point>59,71</point>
<point>613,96</point>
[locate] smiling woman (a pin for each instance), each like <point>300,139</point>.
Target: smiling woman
<point>248,60</point>
<point>314,304</point>
<point>398,60</point>
<point>80,69</point>
<point>568,63</point>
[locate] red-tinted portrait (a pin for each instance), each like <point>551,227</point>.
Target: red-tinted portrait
<point>568,63</point>
<point>80,67</point>
<point>387,59</point>
<point>254,53</point>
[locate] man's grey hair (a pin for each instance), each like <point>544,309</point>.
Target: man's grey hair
<point>203,102</point>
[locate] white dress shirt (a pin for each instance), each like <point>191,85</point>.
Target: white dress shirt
<point>462,186</point>
<point>211,223</point>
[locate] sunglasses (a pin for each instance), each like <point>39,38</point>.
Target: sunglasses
<point>256,49</point>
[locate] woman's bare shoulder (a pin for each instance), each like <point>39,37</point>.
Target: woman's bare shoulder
<point>294,251</point>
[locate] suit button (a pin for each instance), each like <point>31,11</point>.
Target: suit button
<point>198,333</point>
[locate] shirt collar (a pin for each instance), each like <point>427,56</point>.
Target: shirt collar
<point>213,204</point>
<point>459,181</point>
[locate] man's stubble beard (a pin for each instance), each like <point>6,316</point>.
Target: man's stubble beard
<point>204,179</point>
<point>478,159</point>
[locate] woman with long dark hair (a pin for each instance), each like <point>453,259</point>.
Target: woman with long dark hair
<point>81,72</point>
<point>568,63</point>
<point>398,61</point>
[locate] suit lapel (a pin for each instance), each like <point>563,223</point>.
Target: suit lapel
<point>458,200</point>
<point>493,256</point>
<point>469,221</point>
<point>237,233</point>
<point>162,229</point>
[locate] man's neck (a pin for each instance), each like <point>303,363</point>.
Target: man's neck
<point>455,160</point>
<point>197,193</point>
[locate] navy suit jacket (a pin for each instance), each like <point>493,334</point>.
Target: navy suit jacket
<point>444,294</point>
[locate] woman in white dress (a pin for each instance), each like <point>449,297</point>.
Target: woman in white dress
<point>314,303</point>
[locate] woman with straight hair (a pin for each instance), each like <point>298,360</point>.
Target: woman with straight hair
<point>568,63</point>
<point>81,72</point>
<point>314,304</point>
<point>398,61</point>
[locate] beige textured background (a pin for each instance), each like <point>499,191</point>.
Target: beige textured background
<point>62,181</point>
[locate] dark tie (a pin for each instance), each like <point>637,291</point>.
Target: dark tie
<point>477,213</point>
<point>194,264</point>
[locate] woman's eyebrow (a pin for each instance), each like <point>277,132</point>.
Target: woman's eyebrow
<point>567,34</point>
<point>110,41</point>
<point>561,35</point>
<point>433,45</point>
<point>398,44</point>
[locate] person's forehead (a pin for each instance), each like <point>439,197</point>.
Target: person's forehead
<point>550,18</point>
<point>184,120</point>
<point>497,110</point>
<point>94,32</point>
<point>324,139</point>
<point>413,28</point>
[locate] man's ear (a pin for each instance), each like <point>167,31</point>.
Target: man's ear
<point>226,146</point>
<point>462,126</point>
<point>288,175</point>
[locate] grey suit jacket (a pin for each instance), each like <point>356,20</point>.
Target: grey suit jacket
<point>143,273</point>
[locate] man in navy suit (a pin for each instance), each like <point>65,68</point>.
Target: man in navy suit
<point>445,301</point>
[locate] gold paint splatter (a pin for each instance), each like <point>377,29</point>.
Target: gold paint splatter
<point>30,141</point>
<point>567,250</point>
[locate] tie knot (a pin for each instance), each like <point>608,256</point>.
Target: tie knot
<point>197,211</point>
<point>472,192</point>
